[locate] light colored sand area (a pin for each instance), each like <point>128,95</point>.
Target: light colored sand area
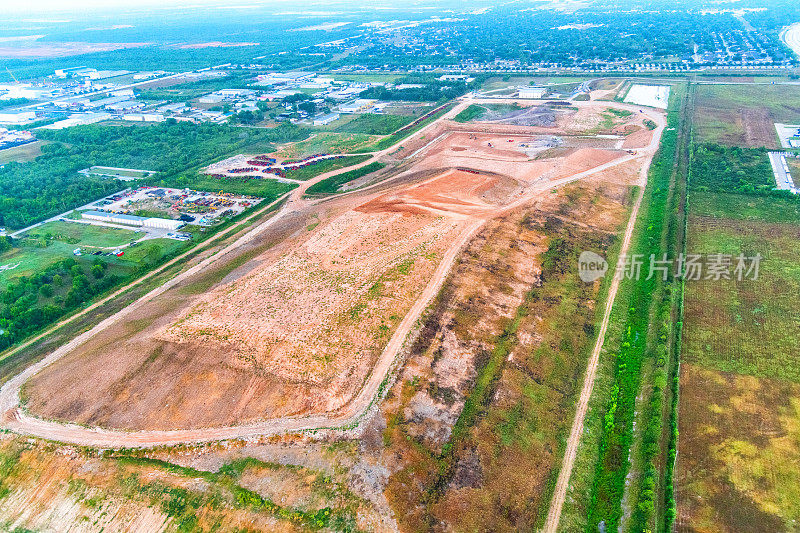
<point>649,95</point>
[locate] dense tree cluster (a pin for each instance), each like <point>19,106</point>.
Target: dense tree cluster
<point>34,191</point>
<point>431,92</point>
<point>731,169</point>
<point>29,303</point>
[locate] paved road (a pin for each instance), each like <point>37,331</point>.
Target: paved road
<point>791,36</point>
<point>19,421</point>
<point>783,179</point>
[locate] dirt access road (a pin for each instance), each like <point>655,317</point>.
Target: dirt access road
<point>15,419</point>
<point>571,450</point>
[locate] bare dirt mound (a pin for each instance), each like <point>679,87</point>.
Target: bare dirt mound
<point>297,334</point>
<point>456,191</point>
<point>541,116</point>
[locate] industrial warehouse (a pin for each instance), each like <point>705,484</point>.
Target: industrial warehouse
<point>133,220</point>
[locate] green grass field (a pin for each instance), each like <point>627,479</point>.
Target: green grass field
<point>311,171</point>
<point>119,173</point>
<point>739,412</point>
<point>84,234</point>
<point>745,207</point>
<point>473,112</point>
<point>329,143</point>
<point>27,260</point>
<point>331,185</point>
<point>36,253</point>
<point>737,466</point>
<point>372,124</point>
<point>26,152</point>
<point>719,111</point>
<point>747,327</point>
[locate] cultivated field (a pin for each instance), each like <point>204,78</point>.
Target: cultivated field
<point>740,380</point>
<point>744,115</point>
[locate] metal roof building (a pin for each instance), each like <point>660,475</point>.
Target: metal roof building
<point>133,220</point>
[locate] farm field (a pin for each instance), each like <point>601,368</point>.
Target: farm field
<point>744,115</point>
<point>739,410</point>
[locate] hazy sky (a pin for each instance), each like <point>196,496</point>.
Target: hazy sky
<point>20,7</point>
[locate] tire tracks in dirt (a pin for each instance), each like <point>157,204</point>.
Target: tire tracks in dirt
<point>15,419</point>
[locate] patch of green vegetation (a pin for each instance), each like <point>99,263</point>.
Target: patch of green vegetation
<point>473,112</point>
<point>328,165</point>
<point>746,207</point>
<point>730,169</point>
<point>329,143</point>
<point>745,326</point>
<point>418,124</point>
<point>374,124</point>
<point>332,184</point>
<point>82,234</point>
<point>622,113</point>
<point>266,188</point>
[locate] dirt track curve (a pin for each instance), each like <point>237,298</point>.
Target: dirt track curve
<point>15,419</point>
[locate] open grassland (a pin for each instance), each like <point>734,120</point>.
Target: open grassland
<point>26,152</point>
<point>739,451</point>
<point>306,173</point>
<point>40,249</point>
<point>83,234</point>
<point>375,124</point>
<point>747,327</point>
<point>497,82</point>
<point>746,207</point>
<point>333,184</point>
<point>328,143</point>
<point>739,412</point>
<point>744,115</point>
